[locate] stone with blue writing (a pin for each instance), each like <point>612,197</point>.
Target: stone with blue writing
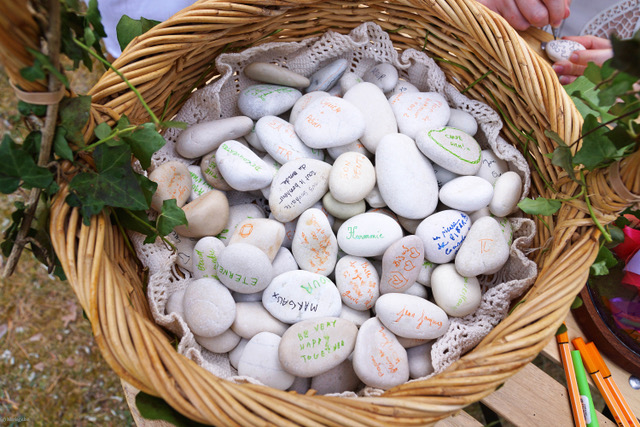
<point>508,192</point>
<point>383,75</point>
<point>411,316</point>
<point>264,233</point>
<point>205,257</point>
<point>466,193</point>
<point>378,359</point>
<point>329,122</point>
<point>221,343</point>
<point>417,111</point>
<point>398,164</point>
<point>326,77</point>
<point>401,264</point>
<point>311,347</point>
<point>358,282</point>
<point>274,74</point>
<point>358,317</point>
<point>348,80</point>
<point>206,216</point>
<point>301,295</point>
<point>184,249</point>
<point>203,138</point>
<point>241,168</point>
<point>303,102</point>
<point>462,120</point>
<point>374,198</point>
<point>443,233</point>
<point>252,318</point>
<point>281,142</point>
<point>244,268</point>
<point>451,148</point>
<point>297,186</point>
<point>402,86</point>
<point>314,245</point>
<point>373,104</point>
<point>418,290</point>
<point>420,361</point>
<point>199,185</point>
<point>355,146</point>
<point>235,354</point>
<point>260,360</point>
<point>368,234</point>
<point>492,167</point>
<point>173,182</point>
<point>426,271</point>
<point>339,379</point>
<point>561,50</point>
<point>212,174</point>
<point>266,100</point>
<point>352,177</point>
<point>457,295</point>
<point>485,250</point>
<point>175,303</point>
<point>209,307</point>
<point>342,210</point>
<point>238,214</point>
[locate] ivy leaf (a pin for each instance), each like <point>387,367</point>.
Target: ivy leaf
<point>171,216</point>
<point>94,18</point>
<point>102,131</point>
<point>585,96</point>
<point>144,142</point>
<point>626,54</point>
<point>174,124</point>
<point>89,36</point>
<point>74,114</point>
<point>25,109</point>
<point>155,408</point>
<point>137,221</point>
<point>127,29</point>
<point>43,63</point>
<point>621,83</point>
<point>562,155</point>
<point>61,146</point>
<point>19,166</point>
<point>577,303</point>
<point>597,148</point>
<point>540,206</point>
<point>604,261</point>
<point>31,143</point>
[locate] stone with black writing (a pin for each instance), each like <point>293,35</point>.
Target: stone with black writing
<point>358,282</point>
<point>241,168</point>
<point>184,249</point>
<point>492,167</point>
<point>508,192</point>
<point>252,318</point>
<point>420,360</point>
<point>358,317</point>
<point>383,75</point>
<point>173,182</point>
<point>402,86</point>
<point>199,185</point>
<point>264,233</point>
<point>314,245</point>
<point>326,77</point>
<point>206,216</point>
<point>457,295</point>
<point>403,173</point>
<point>451,148</point>
<point>209,307</point>
<point>205,257</point>
<point>221,343</point>
<point>274,74</point>
<point>238,214</point>
<point>297,186</point>
<point>378,359</point>
<point>374,198</point>
<point>443,233</point>
<point>281,141</point>
<point>342,210</point>
<point>368,234</point>
<point>417,111</point>
<point>303,102</point>
<point>337,380</point>
<point>411,316</point>
<point>175,303</point>
<point>301,295</point>
<point>462,120</point>
<point>348,80</point>
<point>401,264</point>
<point>561,50</point>
<point>235,354</point>
<point>484,251</point>
<point>283,262</point>
<point>311,347</point>
<point>244,268</point>
<point>466,193</point>
<point>426,271</point>
<point>351,178</point>
<point>212,174</point>
<point>203,138</point>
<point>261,100</point>
<point>260,360</point>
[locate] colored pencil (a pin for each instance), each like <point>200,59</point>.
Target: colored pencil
<point>585,394</point>
<point>571,382</point>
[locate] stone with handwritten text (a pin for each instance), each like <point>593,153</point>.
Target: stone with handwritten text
<point>401,264</point>
<point>267,100</point>
<point>358,282</point>
<point>351,178</point>
<point>443,233</point>
<point>281,141</point>
<point>383,75</point>
<point>238,214</point>
<point>314,245</point>
<point>410,316</point>
<point>211,173</point>
<point>205,137</point>
<point>466,193</point>
<point>368,234</point>
<point>244,268</point>
<point>402,86</point>
<point>209,307</point>
<point>264,233</point>
<point>199,185</point>
<point>184,249</point>
<point>492,167</point>
<point>451,148</point>
<point>205,257</point>
<point>303,102</point>
<point>417,111</point>
<point>457,295</point>
<point>173,182</point>
<point>485,249</point>
<point>241,168</point>
<point>260,360</point>
<point>561,50</point>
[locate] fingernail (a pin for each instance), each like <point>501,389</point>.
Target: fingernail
<point>574,57</point>
<point>564,80</point>
<point>558,69</point>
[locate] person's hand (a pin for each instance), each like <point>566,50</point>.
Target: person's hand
<point>521,14</point>
<point>598,50</point>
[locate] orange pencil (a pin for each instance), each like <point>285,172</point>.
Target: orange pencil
<point>606,373</point>
<point>571,381</point>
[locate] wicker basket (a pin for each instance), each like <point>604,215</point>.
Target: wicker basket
<point>469,42</point>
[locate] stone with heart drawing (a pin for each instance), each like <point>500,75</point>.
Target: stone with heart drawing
<point>451,148</point>
<point>401,264</point>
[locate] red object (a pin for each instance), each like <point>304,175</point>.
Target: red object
<point>629,246</point>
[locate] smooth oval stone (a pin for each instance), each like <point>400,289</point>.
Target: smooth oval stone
<point>411,342</point>
<point>507,229</point>
<point>410,225</point>
<point>420,361</point>
<point>253,139</point>
<point>358,282</point>
<point>378,359</point>
<point>311,347</point>
<point>281,141</point>
<point>457,295</point>
<point>492,167</point>
<point>401,264</point>
<point>383,75</point>
<point>272,73</point>
<point>403,173</point>
<point>265,234</point>
<point>348,80</point>
<point>452,149</point>
<point>220,343</point>
<point>419,111</point>
<point>290,228</point>
<point>205,257</point>
<point>401,87</point>
<point>303,102</point>
<point>199,185</point>
<point>242,169</point>
<point>252,318</point>
<point>336,380</point>
<point>184,249</point>
<point>260,360</point>
<point>209,307</point>
<point>274,166</point>
<point>266,100</point>
<point>379,117</point>
<point>374,198</point>
<point>368,234</point>
<point>484,251</point>
<point>479,213</point>
<point>206,216</point>
<point>418,290</point>
<point>235,354</point>
<point>174,182</point>
<point>212,174</point>
<point>175,303</point>
<point>355,146</point>
<point>411,316</point>
<point>342,210</point>
<point>508,192</point>
<point>255,297</point>
<point>329,122</point>
<point>297,186</point>
<point>442,234</point>
<point>244,268</point>
<point>561,50</point>
<point>301,295</point>
<point>358,317</point>
<point>314,245</point>
<point>202,138</point>
<point>466,193</point>
<point>326,77</point>
<point>238,214</point>
<point>462,120</point>
<point>283,262</point>
<point>426,271</point>
<point>351,178</point>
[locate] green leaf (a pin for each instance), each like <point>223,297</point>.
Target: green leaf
<point>17,164</point>
<point>597,149</point>
<point>74,114</point>
<point>89,36</point>
<point>122,123</point>
<point>25,109</point>
<point>626,54</point>
<point>127,29</point>
<point>155,408</point>
<point>170,217</point>
<point>577,303</point>
<point>44,63</point>
<point>33,73</point>
<point>31,143</point>
<point>174,124</point>
<point>604,261</point>
<point>148,186</point>
<point>94,18</point>
<point>585,96</point>
<point>540,206</point>
<point>561,329</point>
<point>144,142</point>
<point>102,131</point>
<point>61,146</point>
<point>137,221</point>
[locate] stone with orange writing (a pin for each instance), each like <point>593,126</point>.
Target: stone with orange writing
<point>383,75</point>
<point>326,77</point>
<point>205,257</point>
<point>173,182</point>
<point>238,214</point>
<point>417,111</point>
<point>260,360</point>
<point>466,193</point>
<point>264,233</point>
<point>508,192</point>
<point>208,307</point>
<point>443,233</point>
<point>314,245</point>
<point>352,177</point>
<point>410,316</point>
<point>280,141</point>
<point>358,282</point>
<point>401,264</point>
<point>303,102</point>
<point>212,174</point>
<point>244,268</point>
<point>492,167</point>
<point>450,148</point>
<point>206,216</point>
<point>463,120</point>
<point>252,318</point>
<point>261,100</point>
<point>485,250</point>
<point>368,234</point>
<point>205,137</point>
<point>241,168</point>
<point>378,359</point>
<point>457,295</point>
<point>311,347</point>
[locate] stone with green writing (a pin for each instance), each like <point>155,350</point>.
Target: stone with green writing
<point>202,138</point>
<point>252,318</point>
<point>466,193</point>
<point>261,100</point>
<point>411,316</point>
<point>451,148</point>
<point>311,347</point>
<point>457,295</point>
<point>238,214</point>
<point>484,251</point>
<point>241,168</point>
<point>443,233</point>
<point>280,141</point>
<point>260,360</point>
<point>199,185</point>
<point>301,295</point>
<point>368,234</point>
<point>244,268</point>
<point>264,233</point>
<point>212,174</point>
<point>205,257</point>
<point>416,111</point>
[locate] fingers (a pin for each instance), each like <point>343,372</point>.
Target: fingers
<point>534,11</point>
<point>568,68</point>
<point>591,42</point>
<point>556,11</point>
<point>509,10</point>
<point>583,57</point>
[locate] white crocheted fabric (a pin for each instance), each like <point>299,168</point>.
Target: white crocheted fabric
<point>364,47</point>
<point>622,19</point>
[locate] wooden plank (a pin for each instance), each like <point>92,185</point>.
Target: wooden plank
<point>532,398</point>
<point>462,419</point>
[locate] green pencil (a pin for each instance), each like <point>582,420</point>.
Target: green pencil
<point>585,394</point>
